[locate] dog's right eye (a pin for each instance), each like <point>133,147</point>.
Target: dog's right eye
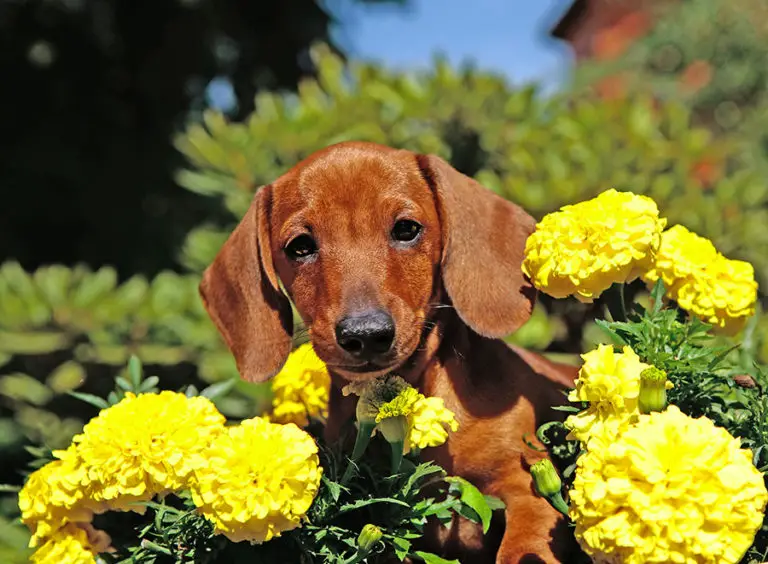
<point>301,247</point>
<point>406,231</point>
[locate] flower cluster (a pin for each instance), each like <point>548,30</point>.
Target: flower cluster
<point>301,389</point>
<point>584,248</point>
<point>69,544</point>
<point>259,480</point>
<point>670,488</point>
<point>398,409</point>
<point>720,291</point>
<point>128,462</point>
<point>652,484</point>
<point>138,448</point>
<point>261,476</point>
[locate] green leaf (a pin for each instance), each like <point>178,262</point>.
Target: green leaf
<point>347,507</point>
<point>657,296</point>
<point>149,384</point>
<point>402,547</point>
<point>134,371</point>
<point>566,408</point>
<point>124,384</point>
<point>95,401</point>
<point>494,503</point>
<point>68,376</point>
<point>421,471</point>
<point>333,487</point>
<point>472,497</point>
<point>219,389</point>
<point>430,558</point>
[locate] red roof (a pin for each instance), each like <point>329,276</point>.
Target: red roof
<point>571,17</point>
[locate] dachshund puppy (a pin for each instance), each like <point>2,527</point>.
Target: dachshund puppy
<point>397,262</point>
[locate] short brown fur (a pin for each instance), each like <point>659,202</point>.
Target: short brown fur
<point>451,296</point>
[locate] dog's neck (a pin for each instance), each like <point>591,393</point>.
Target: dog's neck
<point>438,331</point>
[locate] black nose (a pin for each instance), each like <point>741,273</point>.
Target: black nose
<point>366,334</point>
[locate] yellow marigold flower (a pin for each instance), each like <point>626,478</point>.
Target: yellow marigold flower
<point>430,422</point>
<point>145,445</point>
<point>300,390</point>
<point>427,420</point>
<point>720,291</point>
<point>583,249</point>
<point>260,479</point>
<point>68,545</point>
<point>670,489</point>
<point>54,496</point>
<point>610,382</point>
<point>608,377</point>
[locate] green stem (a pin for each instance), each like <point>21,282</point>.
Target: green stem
<point>397,455</point>
<point>364,432</point>
<point>358,556</point>
<point>616,303</point>
<point>558,503</point>
<point>623,303</point>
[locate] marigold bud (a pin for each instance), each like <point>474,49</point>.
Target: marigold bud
<point>394,429</point>
<point>546,478</point>
<point>365,411</point>
<point>653,390</point>
<point>368,537</point>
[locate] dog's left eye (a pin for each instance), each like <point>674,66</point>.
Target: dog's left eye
<point>302,247</point>
<point>406,230</point>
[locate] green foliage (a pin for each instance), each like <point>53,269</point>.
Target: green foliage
<point>66,332</point>
<point>709,54</point>
<point>540,151</point>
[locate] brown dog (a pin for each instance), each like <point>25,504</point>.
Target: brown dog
<point>397,262</point>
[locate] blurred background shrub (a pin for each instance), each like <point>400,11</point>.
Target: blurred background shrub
<point>121,181</point>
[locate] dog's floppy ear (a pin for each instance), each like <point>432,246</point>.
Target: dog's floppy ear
<point>483,243</point>
<point>241,293</point>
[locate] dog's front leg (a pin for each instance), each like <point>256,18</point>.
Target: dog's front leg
<point>341,409</point>
<point>535,533</point>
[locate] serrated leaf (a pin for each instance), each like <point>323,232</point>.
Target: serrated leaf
<point>347,507</point>
<point>421,471</point>
<point>471,497</point>
<point>333,487</point>
<point>430,558</point>
<point>402,547</point>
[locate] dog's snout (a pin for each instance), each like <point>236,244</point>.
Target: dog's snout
<point>366,335</point>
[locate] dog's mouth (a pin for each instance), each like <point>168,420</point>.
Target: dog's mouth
<point>364,370</point>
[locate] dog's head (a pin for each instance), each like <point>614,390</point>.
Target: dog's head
<point>364,239</point>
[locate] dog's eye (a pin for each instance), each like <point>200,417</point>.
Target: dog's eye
<point>301,247</point>
<point>405,230</point>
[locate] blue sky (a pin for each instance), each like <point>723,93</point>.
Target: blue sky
<point>509,36</point>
